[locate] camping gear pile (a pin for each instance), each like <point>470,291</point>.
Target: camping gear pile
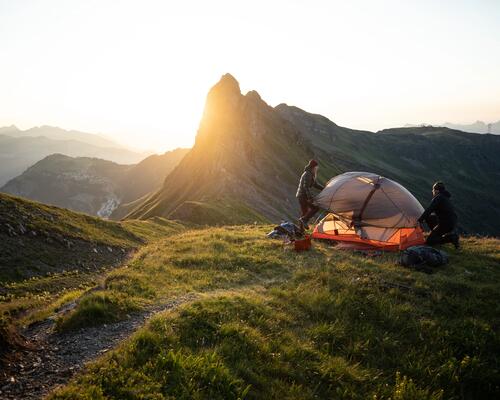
<point>285,231</point>
<point>369,212</point>
<point>291,234</point>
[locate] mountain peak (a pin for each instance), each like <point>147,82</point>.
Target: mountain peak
<point>227,84</point>
<point>222,102</point>
<point>253,94</point>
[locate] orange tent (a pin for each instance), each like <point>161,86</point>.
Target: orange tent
<point>368,211</point>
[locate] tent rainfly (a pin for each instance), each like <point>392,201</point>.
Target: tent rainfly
<point>368,211</point>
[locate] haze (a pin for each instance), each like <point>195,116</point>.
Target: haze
<point>139,71</point>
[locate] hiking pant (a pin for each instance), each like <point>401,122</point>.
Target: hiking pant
<point>307,208</point>
<point>441,232</point>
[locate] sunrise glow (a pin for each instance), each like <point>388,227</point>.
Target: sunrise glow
<point>139,71</point>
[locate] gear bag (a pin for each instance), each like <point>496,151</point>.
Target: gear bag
<point>417,256</point>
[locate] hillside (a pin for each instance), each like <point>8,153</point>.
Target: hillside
<point>249,156</point>
<point>149,174</point>
<point>244,317</point>
<point>260,322</point>
<point>91,185</point>
<point>49,254</point>
<point>19,153</point>
<point>38,240</point>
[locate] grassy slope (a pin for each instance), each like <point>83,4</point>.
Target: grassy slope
<point>38,239</point>
<point>322,324</point>
<point>216,212</point>
<point>50,256</point>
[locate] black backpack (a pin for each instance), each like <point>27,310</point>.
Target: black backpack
<point>423,257</point>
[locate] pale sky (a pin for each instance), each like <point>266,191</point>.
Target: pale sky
<point>139,71</point>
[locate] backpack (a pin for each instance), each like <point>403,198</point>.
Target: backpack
<point>423,257</point>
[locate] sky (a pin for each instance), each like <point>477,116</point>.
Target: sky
<point>139,71</point>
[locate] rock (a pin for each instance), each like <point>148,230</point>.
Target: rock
<point>22,229</point>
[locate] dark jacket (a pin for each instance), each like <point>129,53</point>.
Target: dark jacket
<point>307,181</point>
<point>442,207</point>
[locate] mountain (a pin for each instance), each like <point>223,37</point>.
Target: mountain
<point>248,157</point>
<point>476,127</point>
<point>56,133</point>
<point>91,185</point>
<point>243,147</point>
<point>149,174</point>
<point>18,152</point>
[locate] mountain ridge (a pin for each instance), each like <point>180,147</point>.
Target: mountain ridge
<point>91,185</point>
<point>56,133</point>
<point>19,153</point>
<point>476,127</point>
<point>253,154</point>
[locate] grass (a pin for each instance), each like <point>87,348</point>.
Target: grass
<point>216,213</point>
<point>321,324</point>
<point>38,239</point>
<point>194,260</point>
<point>52,256</point>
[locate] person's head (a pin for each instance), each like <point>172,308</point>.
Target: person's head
<point>438,187</point>
<point>313,164</point>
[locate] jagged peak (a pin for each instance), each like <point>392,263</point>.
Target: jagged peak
<point>253,94</point>
<point>227,84</point>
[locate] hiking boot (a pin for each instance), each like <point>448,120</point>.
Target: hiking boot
<point>455,239</point>
<point>303,224</point>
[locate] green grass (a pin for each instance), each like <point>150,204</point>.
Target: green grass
<point>51,256</point>
<point>194,260</point>
<point>39,240</point>
<point>322,324</point>
<point>98,308</point>
<point>216,213</point>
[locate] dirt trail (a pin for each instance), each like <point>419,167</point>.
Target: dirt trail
<point>58,356</point>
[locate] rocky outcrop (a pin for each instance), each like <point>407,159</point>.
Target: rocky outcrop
<point>244,152</point>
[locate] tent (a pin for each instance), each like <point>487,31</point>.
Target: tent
<point>368,211</point>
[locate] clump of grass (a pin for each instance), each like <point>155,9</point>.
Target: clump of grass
<point>98,308</point>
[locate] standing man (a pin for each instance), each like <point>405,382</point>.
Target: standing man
<point>441,218</point>
<point>304,195</point>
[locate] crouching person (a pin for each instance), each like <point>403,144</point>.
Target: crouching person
<point>441,218</point>
<point>304,195</point>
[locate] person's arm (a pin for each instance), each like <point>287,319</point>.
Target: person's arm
<point>318,186</point>
<point>432,207</point>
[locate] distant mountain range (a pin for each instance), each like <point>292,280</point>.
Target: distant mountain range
<point>21,149</point>
<point>476,127</point>
<point>53,132</point>
<point>92,185</point>
<point>248,157</point>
